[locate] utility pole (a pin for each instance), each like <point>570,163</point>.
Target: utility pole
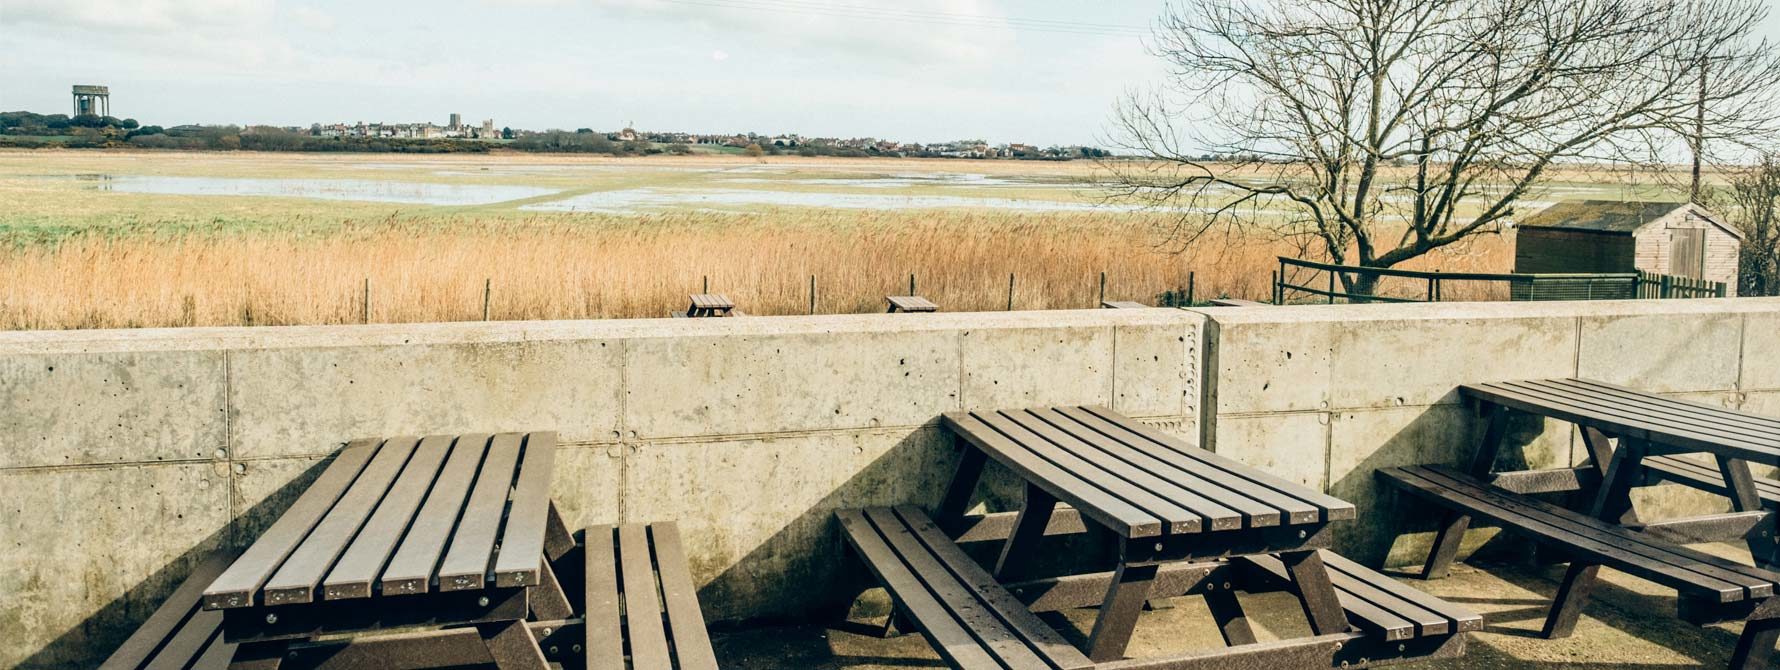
<point>1699,135</point>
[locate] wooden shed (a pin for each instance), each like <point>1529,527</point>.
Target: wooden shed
<point>1672,238</point>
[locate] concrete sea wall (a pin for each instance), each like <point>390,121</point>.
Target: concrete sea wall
<point>125,455</point>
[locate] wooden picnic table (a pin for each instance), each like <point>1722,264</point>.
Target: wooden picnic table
<point>440,531</point>
<point>1165,501</point>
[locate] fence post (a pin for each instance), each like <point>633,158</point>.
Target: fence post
<point>1431,289</point>
<point>707,285</point>
<point>1279,287</point>
<point>1332,287</point>
<point>1010,291</point>
<point>1102,288</point>
<point>1665,287</point>
<point>487,289</point>
<point>813,294</point>
<point>1190,288</point>
<point>367,300</point>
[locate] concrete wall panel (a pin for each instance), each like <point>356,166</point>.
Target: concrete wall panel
<point>1025,367</point>
<point>122,407</point>
<point>1663,353</point>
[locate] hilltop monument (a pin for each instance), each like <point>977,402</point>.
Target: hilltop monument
<point>90,99</point>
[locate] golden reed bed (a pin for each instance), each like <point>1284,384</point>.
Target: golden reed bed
<point>556,268</point>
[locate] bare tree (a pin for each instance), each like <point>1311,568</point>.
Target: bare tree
<point>1375,131</point>
<point>1753,200</point>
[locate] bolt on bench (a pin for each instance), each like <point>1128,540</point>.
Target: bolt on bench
<point>1652,434</point>
<point>454,533</point>
<point>1184,521</point>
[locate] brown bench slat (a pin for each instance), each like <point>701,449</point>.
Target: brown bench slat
<point>642,605</point>
<point>358,567</point>
<point>1754,582</point>
<point>167,619</point>
<point>296,580</point>
<point>1161,497</point>
<point>189,642</point>
<point>1700,475</point>
<point>605,635</point>
<point>1750,424</point>
<point>960,603</point>
<point>236,586</point>
<point>1459,619</point>
<point>217,656</point>
<point>1189,486</point>
<point>468,559</point>
<point>522,542</point>
<point>1645,411</point>
<point>1044,640</point>
<point>686,620</point>
<point>1370,617</point>
<point>411,570</point>
<point>1174,517</point>
<point>1677,567</point>
<point>1301,504</point>
<point>1116,514</point>
<point>1610,420</point>
<point>937,622</point>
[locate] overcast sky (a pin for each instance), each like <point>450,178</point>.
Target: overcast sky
<point>1038,71</point>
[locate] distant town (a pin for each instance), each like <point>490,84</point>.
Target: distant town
<point>92,125</point>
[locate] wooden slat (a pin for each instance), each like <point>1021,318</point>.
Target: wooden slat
<point>1769,425</point>
<point>1122,304</point>
<point>642,602</point>
<point>471,553</point>
<point>1462,620</point>
<point>1536,401</point>
<point>1755,582</point>
<point>167,618</point>
<point>1374,619</point>
<point>236,586</point>
<point>960,604</point>
<point>1700,475</point>
<point>357,570</point>
<point>522,542</point>
<point>411,570</point>
<point>188,642</point>
<point>1035,633</point>
<point>1097,475</point>
<point>1119,516</point>
<point>1616,546</point>
<point>216,656</point>
<point>296,581</point>
<point>1647,408</point>
<point>1196,481</point>
<point>937,625</point>
<point>605,636</point>
<point>1301,504</point>
<point>686,622</point>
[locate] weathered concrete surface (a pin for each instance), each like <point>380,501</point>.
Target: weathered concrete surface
<point>749,431</point>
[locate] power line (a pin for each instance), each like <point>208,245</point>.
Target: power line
<point>920,17</point>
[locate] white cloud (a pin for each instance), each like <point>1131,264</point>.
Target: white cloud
<point>312,18</point>
<point>139,15</point>
<point>911,30</point>
<point>719,55</point>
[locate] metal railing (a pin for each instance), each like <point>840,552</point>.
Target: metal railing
<point>1299,281</point>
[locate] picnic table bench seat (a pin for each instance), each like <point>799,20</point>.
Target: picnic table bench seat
<point>972,621</point>
<point>1376,603</point>
<point>179,634</point>
<point>1122,304</point>
<point>641,603</point>
<point>1706,477</point>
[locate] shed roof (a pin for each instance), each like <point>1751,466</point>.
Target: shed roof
<point>1622,217</point>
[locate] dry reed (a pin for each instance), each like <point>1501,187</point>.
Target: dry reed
<point>616,267</point>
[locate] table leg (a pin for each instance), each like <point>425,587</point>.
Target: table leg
<point>1232,622</point>
<point>1454,524</point>
<point>557,539</point>
<point>1310,580</point>
<point>547,598</point>
<point>1118,612</point>
<point>259,655</point>
<point>511,645</point>
<point>1029,529</point>
<point>1612,503</point>
<point>1744,498</point>
<point>1755,648</point>
<point>964,485</point>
